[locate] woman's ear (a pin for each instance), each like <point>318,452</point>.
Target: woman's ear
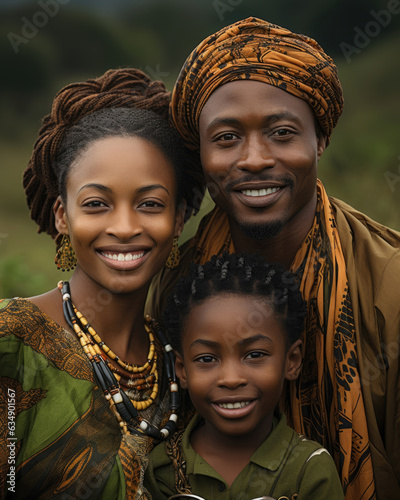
<point>294,360</point>
<point>180,370</point>
<point>60,216</point>
<point>180,218</point>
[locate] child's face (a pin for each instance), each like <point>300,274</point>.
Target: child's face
<point>235,361</point>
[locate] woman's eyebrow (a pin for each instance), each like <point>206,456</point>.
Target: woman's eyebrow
<point>94,185</point>
<point>142,189</point>
<point>151,187</point>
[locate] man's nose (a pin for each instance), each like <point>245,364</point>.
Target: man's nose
<point>256,154</point>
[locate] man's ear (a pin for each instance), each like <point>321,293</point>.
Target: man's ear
<point>180,370</point>
<point>180,218</point>
<point>60,216</point>
<point>294,360</point>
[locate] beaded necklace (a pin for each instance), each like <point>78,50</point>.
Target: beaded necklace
<point>125,409</point>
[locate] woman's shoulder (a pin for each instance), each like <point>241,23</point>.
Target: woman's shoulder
<point>23,322</point>
<point>17,313</point>
<point>25,327</point>
<point>15,309</point>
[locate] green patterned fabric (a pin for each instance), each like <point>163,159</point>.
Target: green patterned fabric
<point>68,442</point>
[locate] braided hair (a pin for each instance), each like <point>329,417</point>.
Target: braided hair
<point>239,274</point>
<point>86,111</point>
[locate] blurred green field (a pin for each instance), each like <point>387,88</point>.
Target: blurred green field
<point>364,153</point>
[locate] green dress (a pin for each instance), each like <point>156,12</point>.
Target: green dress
<point>58,436</point>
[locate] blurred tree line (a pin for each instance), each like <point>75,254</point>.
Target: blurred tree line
<point>82,39</point>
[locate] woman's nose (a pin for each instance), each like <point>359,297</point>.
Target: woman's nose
<point>125,223</point>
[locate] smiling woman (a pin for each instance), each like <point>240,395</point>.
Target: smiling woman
<point>94,380</point>
<point>120,212</point>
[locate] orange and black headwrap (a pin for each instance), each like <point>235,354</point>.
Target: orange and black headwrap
<point>253,49</point>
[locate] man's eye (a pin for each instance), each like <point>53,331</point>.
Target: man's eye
<point>282,132</point>
<point>227,137</point>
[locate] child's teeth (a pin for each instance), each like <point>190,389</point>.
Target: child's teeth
<point>231,406</point>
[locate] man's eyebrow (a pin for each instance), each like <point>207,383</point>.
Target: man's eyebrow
<point>273,117</point>
<point>223,121</point>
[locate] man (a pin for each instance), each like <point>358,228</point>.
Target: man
<point>260,103</point>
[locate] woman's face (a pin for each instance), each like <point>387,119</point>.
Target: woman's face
<point>121,212</point>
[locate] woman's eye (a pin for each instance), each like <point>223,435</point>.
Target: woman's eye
<point>95,204</point>
<point>151,204</point>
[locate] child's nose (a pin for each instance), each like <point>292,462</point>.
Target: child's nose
<point>231,375</point>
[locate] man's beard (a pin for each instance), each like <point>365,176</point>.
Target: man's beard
<point>260,232</point>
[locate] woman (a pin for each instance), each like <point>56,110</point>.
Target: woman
<point>88,382</point>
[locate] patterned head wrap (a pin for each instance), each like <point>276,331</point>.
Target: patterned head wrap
<point>253,49</point>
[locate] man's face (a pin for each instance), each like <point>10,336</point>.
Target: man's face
<point>259,150</point>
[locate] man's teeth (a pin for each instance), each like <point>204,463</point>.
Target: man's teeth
<point>231,406</point>
<point>259,192</point>
<point>123,257</point>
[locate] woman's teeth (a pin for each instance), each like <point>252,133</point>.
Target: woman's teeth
<point>259,192</point>
<point>231,406</point>
<point>123,257</point>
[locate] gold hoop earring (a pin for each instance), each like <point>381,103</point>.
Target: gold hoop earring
<point>65,258</point>
<point>174,256</point>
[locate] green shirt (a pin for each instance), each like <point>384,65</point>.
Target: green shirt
<point>285,464</point>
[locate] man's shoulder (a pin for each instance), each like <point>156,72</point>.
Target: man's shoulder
<point>372,255</point>
<point>352,221</point>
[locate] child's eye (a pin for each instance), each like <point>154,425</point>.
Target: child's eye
<point>206,359</point>
<point>255,355</point>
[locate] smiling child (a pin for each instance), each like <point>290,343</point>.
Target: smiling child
<point>235,324</point>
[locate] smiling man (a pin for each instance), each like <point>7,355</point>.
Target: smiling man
<point>260,103</point>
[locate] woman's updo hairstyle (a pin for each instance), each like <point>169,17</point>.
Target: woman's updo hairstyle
<point>86,111</point>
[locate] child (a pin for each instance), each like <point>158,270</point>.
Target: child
<point>235,324</point>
